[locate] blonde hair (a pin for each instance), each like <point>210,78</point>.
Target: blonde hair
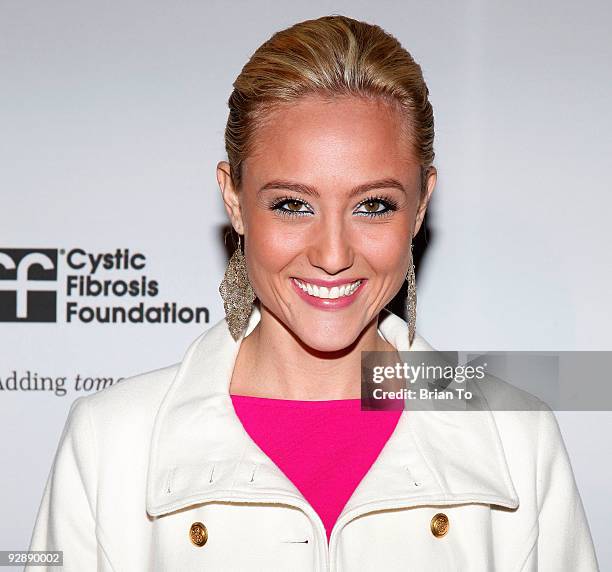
<point>329,56</point>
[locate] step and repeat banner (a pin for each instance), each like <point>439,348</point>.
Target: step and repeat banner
<point>112,225</point>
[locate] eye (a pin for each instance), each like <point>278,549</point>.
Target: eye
<point>376,206</point>
<point>289,206</point>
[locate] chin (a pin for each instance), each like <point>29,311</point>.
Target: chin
<point>325,340</point>
<point>326,346</point>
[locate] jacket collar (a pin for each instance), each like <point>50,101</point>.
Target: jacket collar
<point>200,451</point>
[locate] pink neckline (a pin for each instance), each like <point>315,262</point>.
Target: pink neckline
<point>318,403</point>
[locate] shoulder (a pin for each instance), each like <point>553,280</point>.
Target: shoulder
<point>123,413</point>
<point>136,393</point>
<point>528,428</point>
<point>499,395</point>
<point>509,404</point>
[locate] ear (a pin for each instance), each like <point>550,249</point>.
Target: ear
<point>430,183</point>
<point>230,196</point>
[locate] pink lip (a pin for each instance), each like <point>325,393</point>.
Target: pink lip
<point>328,303</point>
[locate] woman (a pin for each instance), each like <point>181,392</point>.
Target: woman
<point>253,453</point>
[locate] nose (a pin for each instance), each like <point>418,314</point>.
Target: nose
<point>331,248</point>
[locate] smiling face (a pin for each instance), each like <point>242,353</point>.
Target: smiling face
<point>329,203</point>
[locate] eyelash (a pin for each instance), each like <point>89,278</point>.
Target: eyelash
<point>389,204</point>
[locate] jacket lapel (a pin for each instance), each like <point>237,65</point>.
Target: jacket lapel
<point>200,451</point>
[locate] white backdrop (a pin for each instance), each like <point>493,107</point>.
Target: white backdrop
<point>111,124</point>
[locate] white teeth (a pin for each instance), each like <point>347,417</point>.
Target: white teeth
<point>324,292</point>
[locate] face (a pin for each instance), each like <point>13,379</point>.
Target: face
<point>329,203</point>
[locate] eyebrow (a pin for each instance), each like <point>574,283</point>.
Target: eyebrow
<point>387,183</point>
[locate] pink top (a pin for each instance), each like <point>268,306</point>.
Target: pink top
<point>324,447</point>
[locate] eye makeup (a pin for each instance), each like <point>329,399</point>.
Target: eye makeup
<point>278,205</point>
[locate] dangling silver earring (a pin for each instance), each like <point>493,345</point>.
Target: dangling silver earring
<point>237,293</point>
<point>411,301</point>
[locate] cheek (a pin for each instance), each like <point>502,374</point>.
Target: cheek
<point>386,248</point>
<point>271,246</point>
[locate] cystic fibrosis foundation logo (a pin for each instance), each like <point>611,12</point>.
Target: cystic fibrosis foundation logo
<point>34,288</point>
<point>28,285</point>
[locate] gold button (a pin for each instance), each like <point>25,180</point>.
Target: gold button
<point>439,525</point>
<point>198,534</point>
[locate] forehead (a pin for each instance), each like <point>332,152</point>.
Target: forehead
<point>346,138</point>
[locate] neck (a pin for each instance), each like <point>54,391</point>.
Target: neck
<point>273,363</point>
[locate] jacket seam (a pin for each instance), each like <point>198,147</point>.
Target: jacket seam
<point>534,542</point>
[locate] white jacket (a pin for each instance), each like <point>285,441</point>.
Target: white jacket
<point>142,461</point>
